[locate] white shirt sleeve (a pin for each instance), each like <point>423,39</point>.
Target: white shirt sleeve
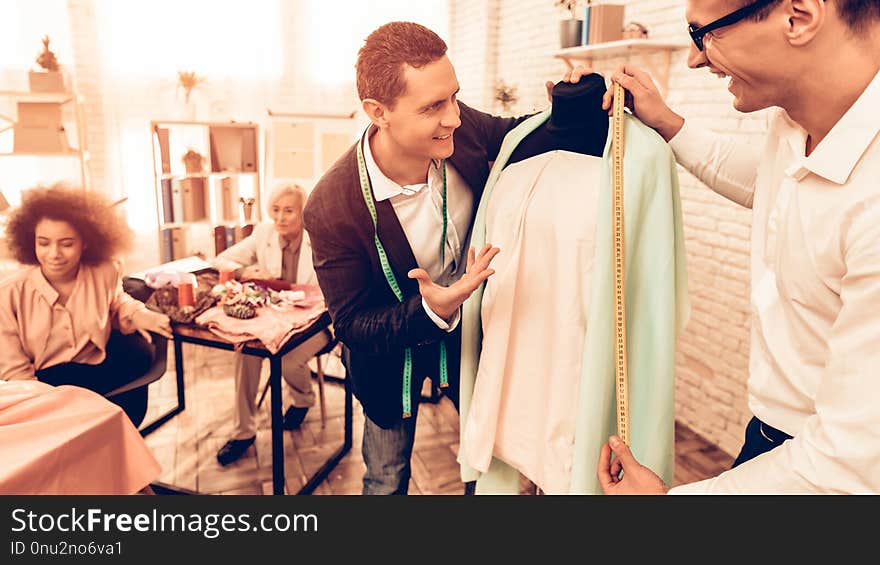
<point>838,448</point>
<point>724,165</point>
<point>441,323</point>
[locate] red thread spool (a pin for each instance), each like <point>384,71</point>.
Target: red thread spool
<point>185,294</point>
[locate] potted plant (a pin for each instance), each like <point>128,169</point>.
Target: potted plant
<point>188,80</point>
<point>569,28</point>
<point>50,78</point>
<point>505,94</point>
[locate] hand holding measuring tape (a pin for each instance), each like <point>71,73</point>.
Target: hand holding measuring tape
<point>636,478</point>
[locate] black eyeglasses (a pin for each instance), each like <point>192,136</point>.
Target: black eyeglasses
<point>730,19</point>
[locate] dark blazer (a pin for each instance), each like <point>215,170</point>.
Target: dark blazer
<point>368,319</point>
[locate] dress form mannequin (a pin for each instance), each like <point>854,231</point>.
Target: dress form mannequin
<point>570,127</point>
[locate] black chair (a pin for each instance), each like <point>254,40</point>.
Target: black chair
<point>134,396</point>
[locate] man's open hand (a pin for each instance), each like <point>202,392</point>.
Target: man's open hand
<point>445,300</point>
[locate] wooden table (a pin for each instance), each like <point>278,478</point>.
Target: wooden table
<point>185,333</point>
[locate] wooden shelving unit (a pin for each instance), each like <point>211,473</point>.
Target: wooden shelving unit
<point>57,113</point>
<point>198,201</point>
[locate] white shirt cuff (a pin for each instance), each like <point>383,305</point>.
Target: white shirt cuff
<point>441,323</point>
<point>689,144</point>
<point>699,487</point>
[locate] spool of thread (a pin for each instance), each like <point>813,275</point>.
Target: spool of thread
<point>226,275</point>
<point>185,295</point>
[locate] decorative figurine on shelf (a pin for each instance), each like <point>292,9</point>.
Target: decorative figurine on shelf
<point>50,78</point>
<point>247,208</point>
<point>635,30</point>
<point>193,161</point>
<point>188,80</point>
<point>506,95</point>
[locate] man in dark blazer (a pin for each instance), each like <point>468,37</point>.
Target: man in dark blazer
<point>422,185</point>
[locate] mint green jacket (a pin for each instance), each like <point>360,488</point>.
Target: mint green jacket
<point>656,309</point>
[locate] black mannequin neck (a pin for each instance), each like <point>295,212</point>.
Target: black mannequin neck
<point>577,121</point>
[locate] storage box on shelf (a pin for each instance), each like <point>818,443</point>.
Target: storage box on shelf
<point>207,183</point>
<point>45,125</point>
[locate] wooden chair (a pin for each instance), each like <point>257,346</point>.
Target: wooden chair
<point>320,372</point>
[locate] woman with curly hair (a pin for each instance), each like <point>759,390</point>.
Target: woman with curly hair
<point>64,318</point>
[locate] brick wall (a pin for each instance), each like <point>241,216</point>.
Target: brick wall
<point>712,356</point>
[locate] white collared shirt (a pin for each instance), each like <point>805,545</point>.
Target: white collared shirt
<point>814,368</point>
<point>419,209</point>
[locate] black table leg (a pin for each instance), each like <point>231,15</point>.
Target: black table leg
<point>277,437</point>
<point>178,354</point>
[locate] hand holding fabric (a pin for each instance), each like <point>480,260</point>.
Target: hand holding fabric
<point>445,300</point>
<point>572,76</point>
<point>644,99</point>
<point>636,479</point>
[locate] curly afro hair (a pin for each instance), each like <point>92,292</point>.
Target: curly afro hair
<point>103,230</point>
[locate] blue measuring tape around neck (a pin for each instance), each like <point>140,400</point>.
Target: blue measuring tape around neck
<point>367,193</point>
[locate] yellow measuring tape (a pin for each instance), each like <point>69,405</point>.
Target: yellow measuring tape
<point>619,298</point>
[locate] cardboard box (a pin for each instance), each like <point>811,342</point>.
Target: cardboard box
<point>39,115</point>
<point>178,243</point>
<point>606,23</point>
<point>193,199</point>
<point>229,199</point>
<point>39,140</point>
<point>228,148</point>
<point>46,81</point>
<point>164,150</point>
<point>167,201</point>
<point>174,244</point>
<point>249,150</point>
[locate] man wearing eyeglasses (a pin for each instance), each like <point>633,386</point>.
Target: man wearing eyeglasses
<point>814,189</point>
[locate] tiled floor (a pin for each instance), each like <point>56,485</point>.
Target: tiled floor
<point>186,446</point>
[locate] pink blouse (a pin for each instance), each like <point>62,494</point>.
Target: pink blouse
<point>37,331</point>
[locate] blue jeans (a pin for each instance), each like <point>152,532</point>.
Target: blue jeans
<point>387,455</point>
<point>760,438</point>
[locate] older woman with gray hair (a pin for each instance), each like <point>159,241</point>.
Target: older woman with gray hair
<point>277,250</point>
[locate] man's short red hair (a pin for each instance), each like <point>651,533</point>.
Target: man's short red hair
<point>386,50</point>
